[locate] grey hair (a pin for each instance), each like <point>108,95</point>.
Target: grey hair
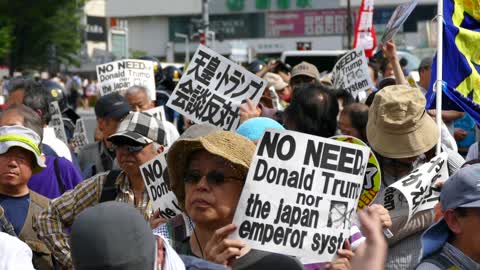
<point>133,90</point>
<point>31,119</point>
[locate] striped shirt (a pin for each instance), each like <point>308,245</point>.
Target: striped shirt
<point>455,256</point>
<point>51,224</point>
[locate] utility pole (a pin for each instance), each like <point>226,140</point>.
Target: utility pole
<point>349,25</point>
<point>206,19</point>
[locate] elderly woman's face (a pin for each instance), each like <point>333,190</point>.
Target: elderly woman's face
<point>212,189</point>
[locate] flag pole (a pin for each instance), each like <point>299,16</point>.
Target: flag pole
<point>438,83</point>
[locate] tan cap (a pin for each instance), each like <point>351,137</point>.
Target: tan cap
<point>275,80</point>
<point>306,69</point>
<point>398,125</point>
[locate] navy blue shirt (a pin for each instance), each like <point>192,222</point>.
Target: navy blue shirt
<point>16,209</point>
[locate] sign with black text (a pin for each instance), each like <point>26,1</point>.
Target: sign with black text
<point>351,72</point>
<point>212,89</point>
<point>417,190</point>
<point>120,75</point>
<point>79,138</point>
<point>56,122</point>
<point>399,16</point>
<point>300,193</point>
<point>155,176</point>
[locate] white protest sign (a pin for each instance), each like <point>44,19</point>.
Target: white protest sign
<point>300,193</point>
<point>399,16</point>
<point>351,72</point>
<point>417,189</point>
<point>120,75</point>
<point>212,89</point>
<point>56,122</point>
<point>155,176</point>
<point>159,113</point>
<point>79,138</point>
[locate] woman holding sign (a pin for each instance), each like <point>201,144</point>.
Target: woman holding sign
<point>207,175</point>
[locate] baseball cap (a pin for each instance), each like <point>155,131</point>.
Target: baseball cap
<point>306,69</point>
<point>25,138</point>
<point>113,106</point>
<point>461,190</point>
<point>112,235</point>
<point>141,128</point>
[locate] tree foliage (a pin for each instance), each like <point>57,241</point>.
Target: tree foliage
<point>34,27</point>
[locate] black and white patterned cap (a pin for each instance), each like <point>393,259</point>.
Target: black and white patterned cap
<point>141,128</point>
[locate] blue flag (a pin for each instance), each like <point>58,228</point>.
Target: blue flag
<point>461,59</point>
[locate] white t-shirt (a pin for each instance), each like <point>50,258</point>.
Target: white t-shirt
<point>14,254</point>
<point>56,144</point>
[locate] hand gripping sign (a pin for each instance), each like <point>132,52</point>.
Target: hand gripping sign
<point>213,88</point>
<point>373,174</point>
<point>155,176</point>
<point>418,190</point>
<point>300,193</point>
<point>120,75</point>
<point>351,72</point>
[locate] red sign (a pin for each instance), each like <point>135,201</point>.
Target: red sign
<point>307,23</point>
<point>365,36</point>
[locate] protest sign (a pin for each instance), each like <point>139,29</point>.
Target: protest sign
<point>416,190</point>
<point>155,176</point>
<point>373,174</point>
<point>213,88</point>
<point>300,193</point>
<point>159,113</point>
<point>120,75</point>
<point>79,138</point>
<point>399,16</point>
<point>351,72</point>
<point>56,122</point>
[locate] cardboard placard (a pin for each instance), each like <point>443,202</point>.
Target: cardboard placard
<point>212,89</point>
<point>300,193</point>
<point>155,176</point>
<point>79,138</point>
<point>120,75</point>
<point>351,72</point>
<point>418,189</point>
<point>399,16</point>
<point>56,122</point>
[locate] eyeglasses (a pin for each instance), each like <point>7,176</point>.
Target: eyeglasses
<point>129,148</point>
<point>213,177</point>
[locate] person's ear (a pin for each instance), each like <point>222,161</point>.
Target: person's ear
<point>452,221</point>
<point>160,149</point>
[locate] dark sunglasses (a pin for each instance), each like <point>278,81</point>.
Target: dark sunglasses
<point>129,148</point>
<point>213,178</point>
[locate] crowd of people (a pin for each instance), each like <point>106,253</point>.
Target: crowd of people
<point>89,209</point>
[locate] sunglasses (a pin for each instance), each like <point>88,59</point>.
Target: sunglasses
<point>213,178</point>
<point>129,148</point>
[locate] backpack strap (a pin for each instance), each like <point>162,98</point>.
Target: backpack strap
<point>6,226</point>
<point>61,187</point>
<point>441,261</point>
<point>109,190</point>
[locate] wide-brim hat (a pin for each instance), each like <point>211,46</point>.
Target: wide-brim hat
<point>233,147</point>
<point>398,125</point>
<point>19,136</point>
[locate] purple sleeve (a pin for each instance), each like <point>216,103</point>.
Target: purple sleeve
<point>71,177</point>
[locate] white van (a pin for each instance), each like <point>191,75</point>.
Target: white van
<point>323,60</point>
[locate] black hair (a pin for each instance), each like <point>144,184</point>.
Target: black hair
<point>17,84</point>
<point>345,95</point>
<point>313,110</point>
<point>358,114</point>
<point>383,65</point>
<point>37,98</point>
<point>375,70</point>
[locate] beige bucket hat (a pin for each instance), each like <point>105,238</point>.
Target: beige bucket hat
<point>398,125</point>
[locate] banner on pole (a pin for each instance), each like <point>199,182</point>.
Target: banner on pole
<point>212,89</point>
<point>365,36</point>
<point>304,209</point>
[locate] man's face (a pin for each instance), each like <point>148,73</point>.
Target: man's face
<point>465,229</point>
<point>130,161</point>
<point>108,126</point>
<point>139,102</point>
<point>16,167</point>
<point>424,74</point>
<point>16,97</point>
